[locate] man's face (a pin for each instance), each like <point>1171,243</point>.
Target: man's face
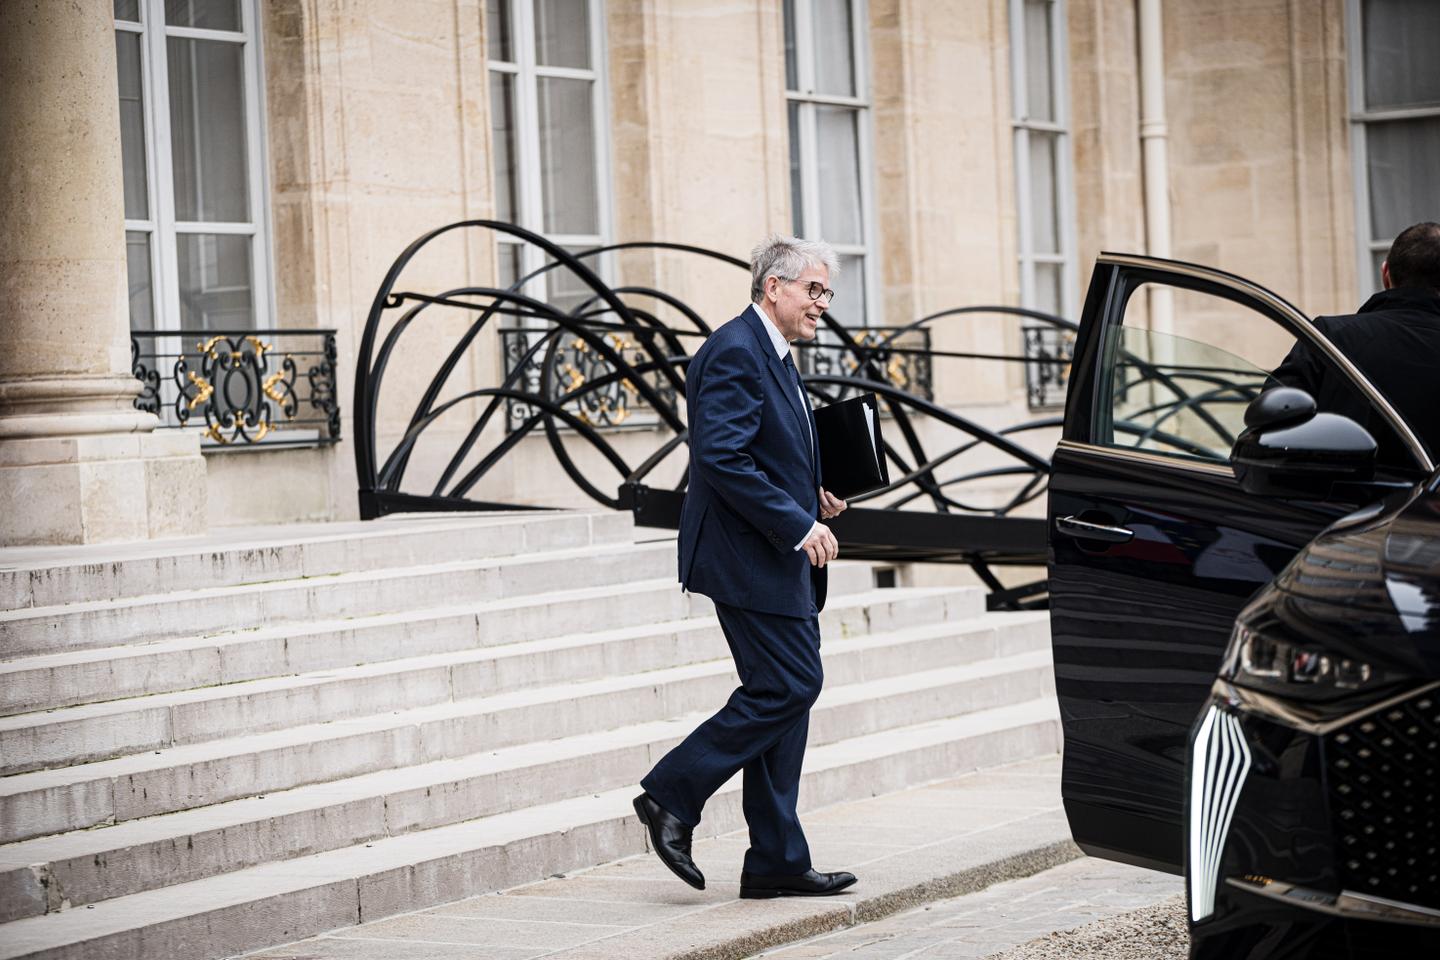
<point>796,315</point>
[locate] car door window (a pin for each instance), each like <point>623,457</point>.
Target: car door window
<point>1182,392</point>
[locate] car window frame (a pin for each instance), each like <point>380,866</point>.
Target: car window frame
<point>1127,273</point>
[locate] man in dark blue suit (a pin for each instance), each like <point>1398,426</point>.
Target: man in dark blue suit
<point>751,539</point>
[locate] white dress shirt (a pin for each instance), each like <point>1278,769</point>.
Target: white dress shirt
<point>777,340</point>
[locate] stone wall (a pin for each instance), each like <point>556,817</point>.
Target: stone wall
<point>378,131</point>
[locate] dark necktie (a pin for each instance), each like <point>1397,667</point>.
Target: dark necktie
<point>800,389</point>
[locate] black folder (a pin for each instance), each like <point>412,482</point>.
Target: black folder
<point>852,457</point>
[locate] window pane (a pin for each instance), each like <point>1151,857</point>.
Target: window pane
<point>1039,82</point>
<point>566,291</point>
<point>834,50</point>
<point>567,156</point>
<point>792,67</point>
<point>215,285</point>
<point>1048,296</point>
<point>137,267</point>
<point>132,125</point>
<point>497,29</point>
<point>839,163</point>
<point>1403,157</point>
<point>1401,69</point>
<point>797,194</point>
<point>1044,196</point>
<point>127,10</point>
<point>206,14</point>
<point>207,130</point>
<point>1176,396</point>
<point>502,143</point>
<point>507,266</point>
<point>562,33</point>
<point>849,287</point>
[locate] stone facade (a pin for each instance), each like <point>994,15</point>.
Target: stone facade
<point>378,129</point>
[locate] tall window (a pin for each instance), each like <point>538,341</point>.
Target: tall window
<point>190,137</point>
<point>1395,119</point>
<point>547,121</point>
<point>827,89</point>
<point>1044,192</point>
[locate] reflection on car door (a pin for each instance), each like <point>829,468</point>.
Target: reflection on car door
<point>1154,546</point>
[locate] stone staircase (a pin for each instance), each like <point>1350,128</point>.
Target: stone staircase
<point>288,731</point>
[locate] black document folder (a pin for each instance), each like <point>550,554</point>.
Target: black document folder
<point>852,458</point>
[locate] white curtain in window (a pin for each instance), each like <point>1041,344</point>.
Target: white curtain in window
<point>215,285</point>
<point>562,33</point>
<point>203,14</point>
<point>567,156</point>
<point>849,287</point>
<point>1044,192</point>
<point>1039,82</point>
<point>207,130</point>
<point>1404,172</point>
<point>834,49</point>
<point>1402,68</point>
<point>838,147</point>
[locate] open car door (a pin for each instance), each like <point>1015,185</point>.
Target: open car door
<point>1154,545</point>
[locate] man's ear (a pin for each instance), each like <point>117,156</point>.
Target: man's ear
<point>772,287</point>
<point>1385,281</point>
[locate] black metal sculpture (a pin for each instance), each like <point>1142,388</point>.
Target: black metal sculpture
<point>609,364</point>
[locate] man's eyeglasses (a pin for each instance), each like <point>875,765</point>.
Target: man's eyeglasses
<point>815,290</point>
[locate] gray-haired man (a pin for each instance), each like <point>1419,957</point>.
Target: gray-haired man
<point>751,539</point>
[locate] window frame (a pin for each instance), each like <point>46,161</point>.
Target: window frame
<point>861,103</point>
<point>162,227</point>
<point>529,193</point>
<point>1115,279</point>
<point>1022,126</point>
<point>1361,117</point>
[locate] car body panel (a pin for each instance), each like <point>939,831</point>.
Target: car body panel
<point>1139,627</point>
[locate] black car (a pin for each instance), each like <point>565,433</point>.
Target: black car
<point>1245,612</point>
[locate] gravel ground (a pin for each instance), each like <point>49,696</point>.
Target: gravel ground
<point>1151,933</point>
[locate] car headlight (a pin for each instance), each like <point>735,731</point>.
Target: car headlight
<point>1264,662</point>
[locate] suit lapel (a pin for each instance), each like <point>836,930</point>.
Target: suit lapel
<point>777,369</point>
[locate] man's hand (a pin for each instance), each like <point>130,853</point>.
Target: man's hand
<point>821,546</point>
<point>830,505</point>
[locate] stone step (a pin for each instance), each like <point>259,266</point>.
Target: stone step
<point>51,576</point>
<point>186,777</point>
<point>51,681</point>
<point>214,610</point>
<point>282,901</point>
<point>89,866</point>
<point>97,731</point>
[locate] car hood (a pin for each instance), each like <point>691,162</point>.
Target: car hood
<point>1378,561</point>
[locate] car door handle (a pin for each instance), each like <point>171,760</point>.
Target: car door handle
<point>1085,530</point>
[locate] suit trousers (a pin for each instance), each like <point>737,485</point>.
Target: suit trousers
<point>761,730</point>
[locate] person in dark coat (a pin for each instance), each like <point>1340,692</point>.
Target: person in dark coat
<point>753,541</point>
<point>1394,340</point>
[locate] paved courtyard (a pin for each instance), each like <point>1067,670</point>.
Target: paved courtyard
<point>1085,908</point>
<point>961,869</point>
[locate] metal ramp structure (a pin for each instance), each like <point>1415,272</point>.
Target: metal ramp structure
<point>584,372</point>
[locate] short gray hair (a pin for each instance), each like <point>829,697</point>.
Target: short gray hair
<point>788,257</point>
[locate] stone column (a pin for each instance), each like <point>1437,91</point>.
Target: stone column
<point>78,463</point>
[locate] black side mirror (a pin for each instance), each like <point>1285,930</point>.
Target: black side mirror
<point>1288,448</point>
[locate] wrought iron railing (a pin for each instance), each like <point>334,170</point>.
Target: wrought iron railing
<point>555,363</point>
<point>242,389</point>
<point>576,376</point>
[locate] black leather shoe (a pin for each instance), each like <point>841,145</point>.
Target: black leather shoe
<point>670,840</point>
<point>807,884</point>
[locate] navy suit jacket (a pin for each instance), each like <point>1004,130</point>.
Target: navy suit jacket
<point>754,477</point>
